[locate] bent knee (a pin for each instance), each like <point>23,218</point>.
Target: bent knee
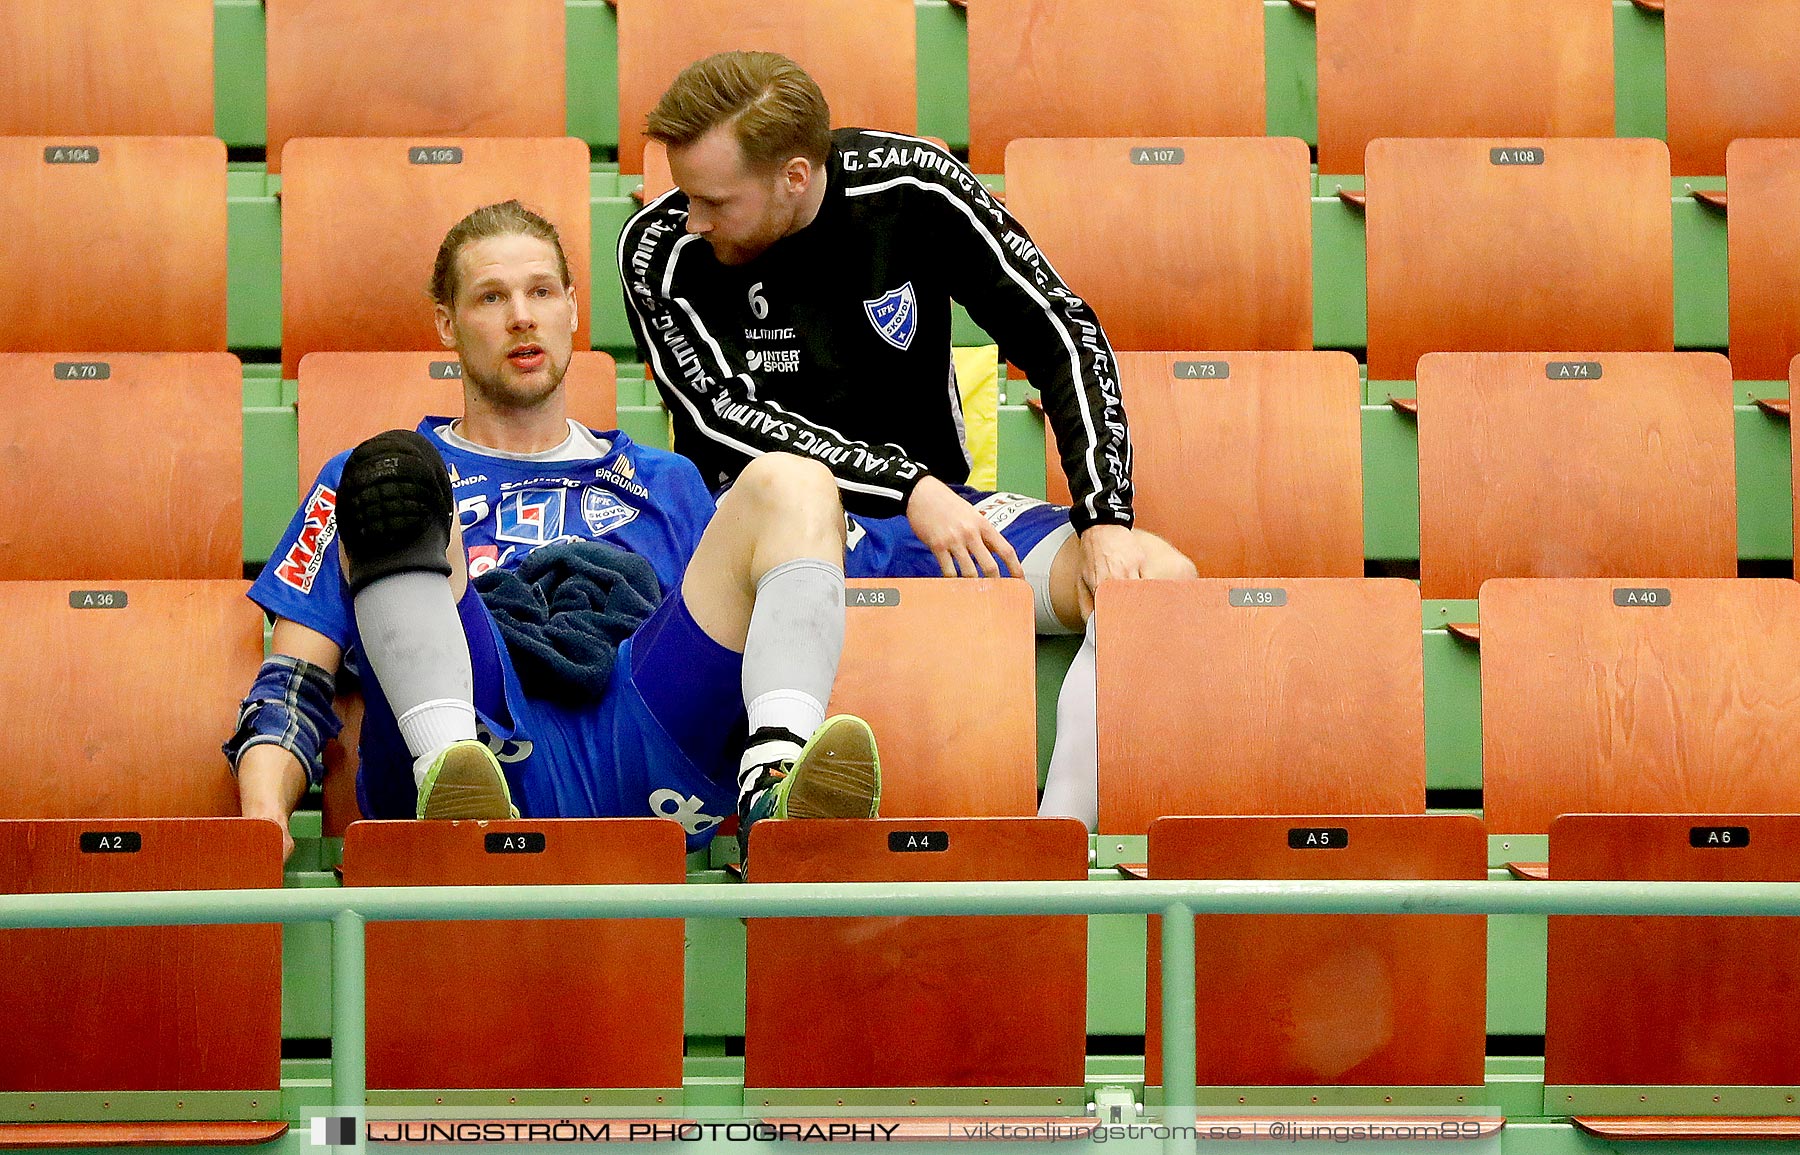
<point>1162,560</point>
<point>785,485</point>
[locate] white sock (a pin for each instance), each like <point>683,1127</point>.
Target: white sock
<point>431,726</point>
<point>1072,782</point>
<point>790,659</point>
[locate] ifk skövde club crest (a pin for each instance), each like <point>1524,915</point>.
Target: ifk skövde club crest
<point>603,512</point>
<point>895,315</point>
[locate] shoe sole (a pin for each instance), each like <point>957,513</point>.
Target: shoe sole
<point>468,785</point>
<point>838,774</point>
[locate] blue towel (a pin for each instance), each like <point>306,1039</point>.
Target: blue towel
<point>565,612</point>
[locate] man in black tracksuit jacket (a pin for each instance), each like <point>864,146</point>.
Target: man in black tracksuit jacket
<point>793,295</point>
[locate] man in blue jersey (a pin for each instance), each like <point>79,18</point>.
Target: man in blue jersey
<point>621,638</point>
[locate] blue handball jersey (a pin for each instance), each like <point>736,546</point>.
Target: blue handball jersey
<point>560,761</point>
<point>644,500</point>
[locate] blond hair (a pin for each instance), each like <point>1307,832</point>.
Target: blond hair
<point>508,218</point>
<point>776,109</point>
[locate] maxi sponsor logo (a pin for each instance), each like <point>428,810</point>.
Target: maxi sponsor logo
<point>307,554</point>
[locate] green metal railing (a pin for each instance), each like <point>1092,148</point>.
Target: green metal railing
<point>348,909</point>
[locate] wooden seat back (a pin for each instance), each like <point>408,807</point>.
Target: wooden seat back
<point>362,221</point>
<point>1248,463</point>
<point>1255,696</point>
<point>1506,68</point>
<point>984,1001</point>
<point>1574,465</point>
<point>1503,245</point>
<point>115,243</point>
<point>862,55</point>
<point>551,1003</point>
<point>1041,68</point>
<point>1328,1000</point>
<point>346,398</point>
<point>1597,696</point>
<point>1728,76</point>
<point>160,435</point>
<point>115,696</point>
<point>1177,242</point>
<point>343,68</point>
<point>129,68</point>
<point>1763,257</point>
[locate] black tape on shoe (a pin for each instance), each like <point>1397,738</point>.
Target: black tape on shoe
<point>394,508</point>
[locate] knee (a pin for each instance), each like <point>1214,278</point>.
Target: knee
<point>786,486</point>
<point>1162,560</point>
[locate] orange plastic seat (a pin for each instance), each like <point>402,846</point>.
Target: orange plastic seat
<point>345,68</point>
<point>1637,696</point>
<point>122,1027</point>
<point>1681,1010</point>
<point>1506,68</point>
<point>362,221</point>
<point>1763,258</point>
<point>1347,1000</point>
<point>862,55</point>
<point>1256,696</point>
<point>1077,68</point>
<point>1248,463</point>
<point>1516,245</point>
<point>115,696</point>
<point>538,1004</point>
<point>985,1001</point>
<point>956,738</point>
<point>169,459</point>
<point>1177,242</point>
<point>123,68</point>
<point>346,398</point>
<point>113,243</point>
<point>1730,71</point>
<point>1574,465</point>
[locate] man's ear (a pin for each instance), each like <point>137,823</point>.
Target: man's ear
<point>797,175</point>
<point>446,330</point>
<point>574,310</point>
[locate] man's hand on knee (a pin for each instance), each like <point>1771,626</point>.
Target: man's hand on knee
<point>1107,551</point>
<point>965,543</point>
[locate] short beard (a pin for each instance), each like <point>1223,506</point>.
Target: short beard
<point>499,396</point>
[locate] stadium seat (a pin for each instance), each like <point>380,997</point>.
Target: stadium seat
<point>1729,76</point>
<point>1574,465</point>
<point>1514,245</point>
<point>114,243</point>
<point>1248,463</point>
<point>126,68</point>
<point>657,177</point>
<point>959,738</point>
<point>898,1004</point>
<point>588,1004</point>
<point>347,68</point>
<point>169,1022</point>
<point>346,398</point>
<point>862,55</point>
<point>1304,1001</point>
<point>1763,265</point>
<point>1629,696</point>
<point>362,221</point>
<point>1688,1017</point>
<point>1177,242</point>
<point>167,458</point>
<point>1507,68</point>
<point>1254,696</point>
<point>1077,68</point>
<point>115,697</point>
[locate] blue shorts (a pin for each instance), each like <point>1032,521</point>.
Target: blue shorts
<point>663,742</point>
<point>887,546</point>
